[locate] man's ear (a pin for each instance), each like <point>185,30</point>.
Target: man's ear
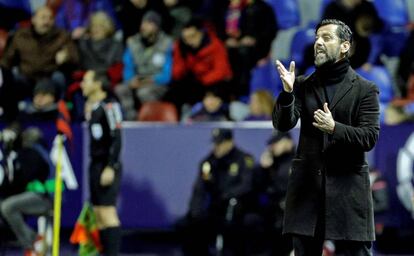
<point>345,47</point>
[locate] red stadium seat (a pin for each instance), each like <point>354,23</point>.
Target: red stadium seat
<point>158,111</point>
<point>3,40</point>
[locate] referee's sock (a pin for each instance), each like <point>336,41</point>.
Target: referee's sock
<point>111,240</point>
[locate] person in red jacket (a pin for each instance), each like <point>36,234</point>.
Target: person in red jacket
<point>200,61</point>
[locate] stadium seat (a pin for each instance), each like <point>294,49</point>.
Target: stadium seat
<point>301,40</point>
<point>3,40</point>
<point>287,13</point>
<point>158,111</point>
<point>265,77</point>
<point>382,78</point>
<point>393,12</point>
<point>324,3</point>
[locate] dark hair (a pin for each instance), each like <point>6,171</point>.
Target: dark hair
<point>343,31</point>
<point>102,77</point>
<point>45,86</point>
<point>196,22</point>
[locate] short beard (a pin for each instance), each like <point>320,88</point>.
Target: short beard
<point>326,60</point>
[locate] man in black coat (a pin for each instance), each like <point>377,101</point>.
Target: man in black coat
<point>329,194</point>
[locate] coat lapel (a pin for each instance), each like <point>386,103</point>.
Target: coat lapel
<point>317,88</point>
<point>343,88</point>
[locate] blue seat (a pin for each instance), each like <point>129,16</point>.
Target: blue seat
<point>265,77</point>
<point>394,41</point>
<point>393,12</point>
<point>324,3</point>
<point>302,39</point>
<point>382,78</point>
<point>287,12</point>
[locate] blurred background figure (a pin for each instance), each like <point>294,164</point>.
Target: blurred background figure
<point>246,43</point>
<point>98,49</point>
<point>212,108</point>
<point>131,13</point>
<point>217,202</point>
<point>104,117</point>
<point>261,106</point>
<point>362,17</point>
<point>147,66</point>
<point>270,180</point>
<point>73,15</point>
<point>43,106</point>
<point>180,14</point>
<point>200,61</point>
<point>40,51</point>
<point>26,167</point>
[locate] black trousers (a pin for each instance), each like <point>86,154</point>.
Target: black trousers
<point>311,246</point>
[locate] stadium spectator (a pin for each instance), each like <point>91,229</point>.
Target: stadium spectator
<point>43,107</point>
<point>98,49</point>
<point>212,108</point>
<point>73,15</point>
<point>363,19</point>
<point>200,61</point>
<point>261,106</point>
<point>147,66</point>
<point>180,14</point>
<point>40,51</point>
<point>250,30</point>
<point>132,12</point>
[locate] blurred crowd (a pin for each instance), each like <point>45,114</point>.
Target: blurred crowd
<point>201,60</point>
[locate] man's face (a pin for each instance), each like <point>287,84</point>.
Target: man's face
<point>327,46</point>
<point>43,100</point>
<point>220,149</point>
<point>88,84</point>
<point>148,29</point>
<point>212,103</point>
<point>43,21</point>
<point>192,37</point>
<point>139,3</point>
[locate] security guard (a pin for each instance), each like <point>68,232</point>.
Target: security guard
<point>216,206</point>
<point>270,186</point>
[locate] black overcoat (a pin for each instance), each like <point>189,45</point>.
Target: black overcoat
<point>329,174</point>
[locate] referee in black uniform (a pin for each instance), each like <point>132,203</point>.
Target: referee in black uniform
<point>104,117</point>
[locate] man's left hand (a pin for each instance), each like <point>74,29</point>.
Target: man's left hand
<point>107,176</point>
<point>324,119</point>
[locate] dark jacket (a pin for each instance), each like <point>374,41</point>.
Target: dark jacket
<point>219,180</point>
<point>337,160</point>
<point>35,54</point>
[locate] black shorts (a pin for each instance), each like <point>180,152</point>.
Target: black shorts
<point>103,195</point>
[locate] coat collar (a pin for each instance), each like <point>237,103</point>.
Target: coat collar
<point>343,88</point>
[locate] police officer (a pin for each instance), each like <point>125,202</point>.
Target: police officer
<point>270,186</point>
<point>104,117</point>
<point>216,206</point>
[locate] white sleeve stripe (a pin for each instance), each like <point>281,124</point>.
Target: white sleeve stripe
<point>110,116</point>
<point>117,112</point>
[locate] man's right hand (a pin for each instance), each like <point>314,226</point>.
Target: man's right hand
<point>288,77</point>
